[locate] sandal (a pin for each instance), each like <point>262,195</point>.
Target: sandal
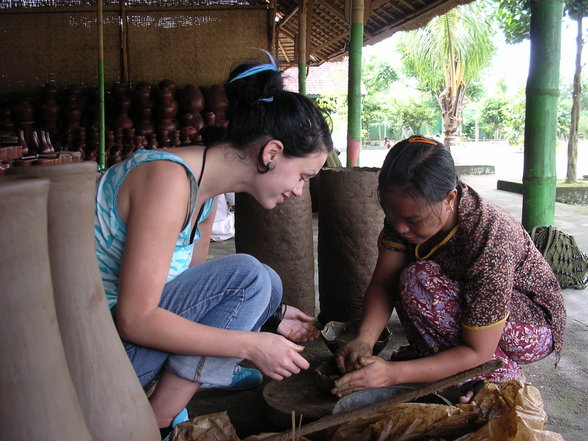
<point>274,320</point>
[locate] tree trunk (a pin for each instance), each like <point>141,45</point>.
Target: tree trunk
<point>452,112</point>
<point>573,139</point>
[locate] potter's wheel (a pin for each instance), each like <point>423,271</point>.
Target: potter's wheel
<point>299,393</point>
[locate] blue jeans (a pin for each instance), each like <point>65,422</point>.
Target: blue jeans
<point>235,292</point>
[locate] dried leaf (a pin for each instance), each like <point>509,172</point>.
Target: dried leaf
<point>212,427</point>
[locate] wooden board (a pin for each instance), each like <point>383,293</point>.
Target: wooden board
<point>299,393</point>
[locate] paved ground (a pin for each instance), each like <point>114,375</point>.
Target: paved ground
<point>563,388</point>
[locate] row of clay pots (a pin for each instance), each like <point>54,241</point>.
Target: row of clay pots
<point>145,107</point>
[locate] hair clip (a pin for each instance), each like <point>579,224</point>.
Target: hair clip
<point>254,70</point>
<point>423,140</point>
<point>266,100</point>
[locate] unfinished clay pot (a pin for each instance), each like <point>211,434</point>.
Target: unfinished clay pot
<point>38,398</point>
<point>281,238</point>
<point>350,220</point>
<point>336,334</point>
<point>114,404</point>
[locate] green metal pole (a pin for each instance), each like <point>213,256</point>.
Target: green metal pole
<point>354,86</point>
<point>539,175</point>
<point>101,111</point>
<point>302,78</point>
<point>302,47</point>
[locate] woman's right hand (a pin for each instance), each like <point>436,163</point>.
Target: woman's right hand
<point>276,356</point>
<point>348,357</point>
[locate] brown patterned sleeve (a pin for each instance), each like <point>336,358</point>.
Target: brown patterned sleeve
<point>390,239</point>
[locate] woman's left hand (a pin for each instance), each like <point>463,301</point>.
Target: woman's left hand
<point>375,372</point>
<point>297,326</point>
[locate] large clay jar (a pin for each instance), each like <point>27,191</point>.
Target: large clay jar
<point>23,113</point>
<point>122,119</point>
<point>49,109</point>
<point>6,123</point>
<point>170,85</point>
<point>143,108</point>
<point>38,398</point>
<point>114,404</point>
<point>191,99</point>
<point>350,220</point>
<point>214,97</point>
<point>72,110</point>
<point>167,109</point>
<point>281,238</point>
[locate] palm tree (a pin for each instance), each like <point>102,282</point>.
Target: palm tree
<point>448,54</point>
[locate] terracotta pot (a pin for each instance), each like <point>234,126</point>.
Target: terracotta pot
<point>169,85</point>
<point>23,112</point>
<point>38,399</point>
<point>214,97</point>
<point>191,99</point>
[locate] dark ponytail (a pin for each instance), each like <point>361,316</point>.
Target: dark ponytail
<point>260,109</point>
<point>422,165</point>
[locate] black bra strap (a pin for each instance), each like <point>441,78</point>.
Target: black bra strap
<point>202,206</point>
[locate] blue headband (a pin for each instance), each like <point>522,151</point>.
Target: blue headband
<point>254,70</point>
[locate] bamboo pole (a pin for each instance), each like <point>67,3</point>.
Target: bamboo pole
<point>539,173</point>
<point>354,85</point>
<point>124,43</point>
<point>302,13</point>
<point>101,111</point>
<point>381,406</point>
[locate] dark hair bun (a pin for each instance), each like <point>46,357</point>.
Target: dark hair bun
<point>212,134</point>
<point>249,90</point>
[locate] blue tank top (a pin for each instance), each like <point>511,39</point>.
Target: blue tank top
<point>110,231</point>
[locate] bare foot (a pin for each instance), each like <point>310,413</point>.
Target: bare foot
<point>472,390</point>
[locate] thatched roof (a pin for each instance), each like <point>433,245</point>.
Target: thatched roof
<point>328,24</point>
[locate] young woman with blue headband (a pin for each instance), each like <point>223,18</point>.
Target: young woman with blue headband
<point>184,321</point>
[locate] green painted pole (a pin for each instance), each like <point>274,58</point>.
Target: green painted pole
<point>302,78</point>
<point>101,111</point>
<point>354,86</point>
<point>302,47</point>
<point>539,174</point>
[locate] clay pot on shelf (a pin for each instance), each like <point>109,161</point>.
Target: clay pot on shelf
<point>49,108</point>
<point>23,143</point>
<point>6,123</point>
<point>72,109</point>
<point>191,99</point>
<point>23,112</point>
<point>122,119</point>
<point>44,147</point>
<point>209,118</point>
<point>214,97</point>
<point>170,85</point>
<point>164,139</point>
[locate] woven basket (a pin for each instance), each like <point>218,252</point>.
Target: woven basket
<point>560,250</point>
